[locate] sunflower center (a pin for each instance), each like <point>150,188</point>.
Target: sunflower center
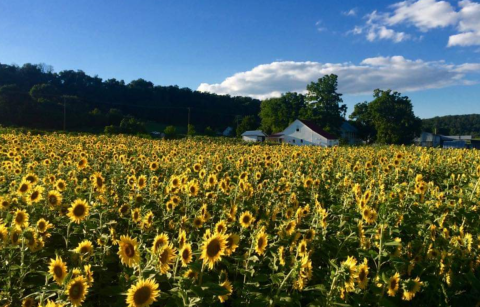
<point>261,242</point>
<point>164,256</point>
<point>393,284</point>
<point>99,182</point>
<point>246,219</point>
<point>23,188</point>
<point>213,248</point>
<point>76,291</point>
<point>52,199</point>
<point>362,275</point>
<point>57,270</point>
<point>84,250</point>
<point>41,226</point>
<point>79,210</point>
<point>129,250</point>
<point>186,254</point>
<point>142,295</point>
<point>19,218</point>
<point>34,195</point>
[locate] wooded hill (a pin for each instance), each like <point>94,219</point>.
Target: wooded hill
<point>34,96</point>
<point>453,124</point>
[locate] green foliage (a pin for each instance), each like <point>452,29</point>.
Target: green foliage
<point>324,104</point>
<point>248,123</point>
<point>277,113</point>
<point>191,130</point>
<point>33,97</point>
<point>209,131</point>
<point>170,132</point>
<point>388,119</point>
<point>453,125</point>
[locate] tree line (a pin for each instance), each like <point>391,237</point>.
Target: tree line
<point>34,96</point>
<point>453,125</point>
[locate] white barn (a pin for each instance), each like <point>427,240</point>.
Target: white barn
<point>254,136</point>
<point>303,132</point>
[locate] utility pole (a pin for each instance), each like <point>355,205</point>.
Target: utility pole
<point>64,114</point>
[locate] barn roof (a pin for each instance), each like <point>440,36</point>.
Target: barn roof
<point>316,128</point>
<point>254,133</point>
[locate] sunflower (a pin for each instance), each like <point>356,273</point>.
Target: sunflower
<point>290,227</point>
<point>84,248</point>
<point>43,225</point>
<point>148,220</point>
<point>77,290</point>
<point>52,304</point>
<point>15,236</point>
<point>142,182</point>
<point>302,248</point>
<point>221,227</point>
<point>24,187</point>
<point>36,195</point>
<point>54,198</point>
<point>186,254</point>
<point>246,219</point>
<point>4,203</point>
<point>124,210</point>
<point>28,302</point>
<point>191,274</point>
<point>60,185</point>
<point>78,211</point>
<point>166,255</point>
<point>281,256</point>
<point>3,235</point>
<point>143,293</point>
<point>410,288</point>
<point>197,222</point>
<point>88,273</point>
<point>136,215</point>
<point>128,251</point>
<point>232,244</point>
<point>213,249</point>
<point>58,269</point>
<point>261,242</point>
<point>83,163</point>
<point>228,286</point>
<point>393,284</point>
<point>362,278</point>
<point>309,235</point>
<point>193,188</point>
<point>182,238</point>
<point>21,218</point>
<point>154,165</point>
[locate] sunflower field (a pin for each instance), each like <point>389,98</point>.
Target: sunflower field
<point>125,221</point>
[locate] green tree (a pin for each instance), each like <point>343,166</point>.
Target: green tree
<point>324,104</point>
<point>391,115</point>
<point>248,123</point>
<point>191,130</point>
<point>131,125</point>
<point>277,113</point>
<point>363,122</point>
<point>209,131</point>
<point>170,132</point>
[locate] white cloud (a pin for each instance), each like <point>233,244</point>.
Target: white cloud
<point>424,14</point>
<point>469,25</point>
<point>352,12</point>
<point>319,26</point>
<point>396,72</point>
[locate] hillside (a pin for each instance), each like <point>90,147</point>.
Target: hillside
<point>34,96</point>
<point>453,124</point>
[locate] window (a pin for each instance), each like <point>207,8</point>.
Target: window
<point>301,141</point>
<point>293,141</point>
<point>298,129</point>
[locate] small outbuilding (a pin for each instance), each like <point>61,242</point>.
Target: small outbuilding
<point>304,132</point>
<point>254,136</point>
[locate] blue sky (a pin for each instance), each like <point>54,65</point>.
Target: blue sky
<point>427,49</point>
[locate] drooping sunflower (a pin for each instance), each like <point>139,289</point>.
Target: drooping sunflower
<point>58,269</point>
<point>54,198</point>
<point>77,290</point>
<point>393,283</point>
<point>228,286</point>
<point>166,255</point>
<point>350,266</point>
<point>213,249</point>
<point>128,251</point>
<point>186,254</point>
<point>78,211</point>
<point>246,219</point>
<point>410,288</point>
<point>21,218</point>
<point>261,242</point>
<point>159,241</point>
<point>84,248</point>
<point>362,271</point>
<point>143,293</point>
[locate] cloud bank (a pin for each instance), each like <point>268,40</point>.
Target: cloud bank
<point>396,72</point>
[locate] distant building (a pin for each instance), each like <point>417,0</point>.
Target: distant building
<point>349,133</point>
<point>254,136</point>
<point>228,131</point>
<point>427,139</point>
<point>303,132</point>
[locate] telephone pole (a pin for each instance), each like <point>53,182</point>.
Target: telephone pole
<point>188,117</point>
<point>64,114</point>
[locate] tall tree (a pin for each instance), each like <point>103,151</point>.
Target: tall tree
<point>248,123</point>
<point>391,115</point>
<point>277,113</point>
<point>325,104</point>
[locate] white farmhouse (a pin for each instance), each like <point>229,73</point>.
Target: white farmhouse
<point>303,132</point>
<point>254,136</point>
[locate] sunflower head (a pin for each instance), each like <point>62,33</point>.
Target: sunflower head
<point>78,211</point>
<point>213,249</point>
<point>58,270</point>
<point>143,293</point>
<point>128,252</point>
<point>77,290</point>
